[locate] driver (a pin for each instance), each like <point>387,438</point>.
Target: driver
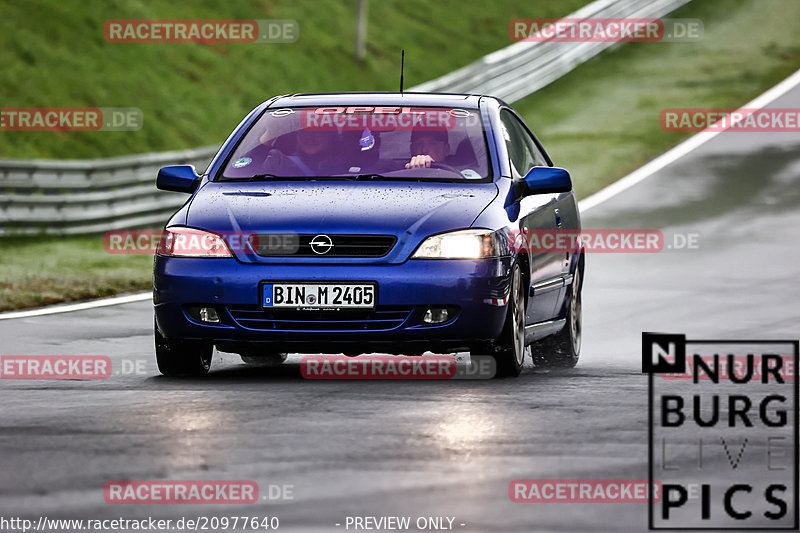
<point>315,156</point>
<point>315,152</point>
<point>428,147</point>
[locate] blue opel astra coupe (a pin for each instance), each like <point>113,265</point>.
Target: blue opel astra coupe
<point>370,222</point>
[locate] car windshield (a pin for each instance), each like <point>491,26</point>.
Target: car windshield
<point>366,142</point>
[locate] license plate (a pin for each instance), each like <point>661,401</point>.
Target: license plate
<point>322,295</point>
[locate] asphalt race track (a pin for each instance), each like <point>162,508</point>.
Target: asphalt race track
<point>422,448</point>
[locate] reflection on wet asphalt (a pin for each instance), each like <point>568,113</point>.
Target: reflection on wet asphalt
<point>422,448</point>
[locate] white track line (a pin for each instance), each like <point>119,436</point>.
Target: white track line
<point>682,149</point>
<point>597,198</point>
<point>56,309</point>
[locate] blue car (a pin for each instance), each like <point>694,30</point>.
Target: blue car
<point>355,223</point>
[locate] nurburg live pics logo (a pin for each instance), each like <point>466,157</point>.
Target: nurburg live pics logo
<point>722,433</point>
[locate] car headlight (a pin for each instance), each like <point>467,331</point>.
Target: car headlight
<point>190,242</point>
<point>461,244</point>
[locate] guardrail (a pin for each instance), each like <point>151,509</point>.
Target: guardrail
<point>87,196</point>
<point>523,68</point>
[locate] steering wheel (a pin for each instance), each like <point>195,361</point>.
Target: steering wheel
<point>444,166</point>
<point>440,166</point>
<point>282,164</point>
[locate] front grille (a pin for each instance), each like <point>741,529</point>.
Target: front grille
<point>382,318</point>
<point>300,245</point>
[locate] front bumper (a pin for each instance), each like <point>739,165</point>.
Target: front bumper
<point>476,288</point>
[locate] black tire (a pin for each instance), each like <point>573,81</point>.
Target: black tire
<point>563,349</point>
<point>509,350</point>
<point>180,357</point>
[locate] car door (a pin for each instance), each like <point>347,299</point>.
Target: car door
<point>567,220</point>
<point>537,212</point>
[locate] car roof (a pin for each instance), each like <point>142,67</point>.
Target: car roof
<point>379,99</point>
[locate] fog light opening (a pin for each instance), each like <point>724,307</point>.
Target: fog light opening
<point>436,315</point>
<point>209,315</point>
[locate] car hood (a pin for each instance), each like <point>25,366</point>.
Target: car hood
<point>409,210</point>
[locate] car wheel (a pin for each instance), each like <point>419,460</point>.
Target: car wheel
<point>563,349</point>
<point>510,351</point>
<point>180,357</point>
<point>265,360</point>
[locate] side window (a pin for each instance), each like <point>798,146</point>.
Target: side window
<point>521,148</point>
<point>538,156</point>
<point>513,142</point>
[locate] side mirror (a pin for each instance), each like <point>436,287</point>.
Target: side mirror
<point>541,180</point>
<point>178,178</point>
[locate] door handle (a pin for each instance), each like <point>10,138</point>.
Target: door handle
<point>558,223</point>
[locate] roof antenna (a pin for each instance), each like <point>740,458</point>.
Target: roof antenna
<point>402,66</point>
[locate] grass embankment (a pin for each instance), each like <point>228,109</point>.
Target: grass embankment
<point>55,55</point>
<point>600,121</point>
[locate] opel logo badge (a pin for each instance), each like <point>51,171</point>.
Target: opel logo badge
<point>321,244</point>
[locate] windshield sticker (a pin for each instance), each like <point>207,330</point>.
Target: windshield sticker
<point>470,174</point>
<point>242,162</point>
<point>367,141</point>
<point>282,112</point>
<point>460,113</point>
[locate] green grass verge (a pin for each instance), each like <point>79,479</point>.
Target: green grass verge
<point>36,271</point>
<point>600,121</point>
<point>55,55</point>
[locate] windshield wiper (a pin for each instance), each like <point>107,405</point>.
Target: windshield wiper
<point>264,177</point>
<point>370,177</point>
<point>381,177</point>
<point>360,177</point>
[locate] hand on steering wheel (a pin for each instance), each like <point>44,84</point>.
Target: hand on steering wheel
<point>426,161</point>
<point>420,161</point>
